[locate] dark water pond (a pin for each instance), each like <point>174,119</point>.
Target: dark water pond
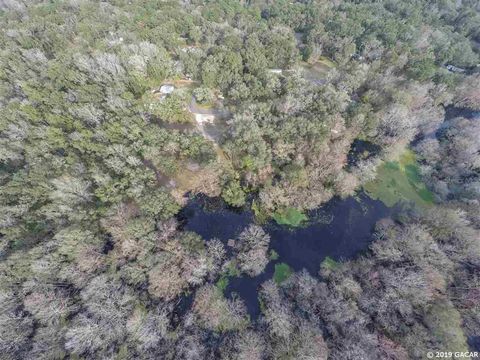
<point>474,343</point>
<point>451,113</point>
<point>361,150</point>
<point>340,230</point>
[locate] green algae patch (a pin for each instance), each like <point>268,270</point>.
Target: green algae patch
<point>273,255</point>
<point>222,283</point>
<point>282,273</point>
<point>329,264</point>
<point>261,215</point>
<point>231,270</point>
<point>289,216</point>
<point>398,181</point>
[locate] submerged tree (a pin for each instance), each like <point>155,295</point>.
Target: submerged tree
<point>253,246</point>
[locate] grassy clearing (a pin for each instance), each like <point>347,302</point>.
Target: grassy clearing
<point>184,84</point>
<point>282,273</point>
<point>316,71</point>
<point>326,61</point>
<point>400,181</point>
<point>206,106</point>
<point>202,180</point>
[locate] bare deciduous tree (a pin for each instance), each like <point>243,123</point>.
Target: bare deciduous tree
<point>253,247</point>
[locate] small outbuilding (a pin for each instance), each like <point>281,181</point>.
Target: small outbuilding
<point>167,89</point>
<point>455,69</point>
<point>275,71</point>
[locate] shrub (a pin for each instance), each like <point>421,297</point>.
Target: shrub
<point>203,95</point>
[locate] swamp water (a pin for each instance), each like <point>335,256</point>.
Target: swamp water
<point>340,229</point>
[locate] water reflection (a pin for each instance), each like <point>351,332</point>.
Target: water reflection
<point>340,229</point>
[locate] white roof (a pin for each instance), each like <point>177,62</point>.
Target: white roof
<point>275,71</point>
<point>167,89</point>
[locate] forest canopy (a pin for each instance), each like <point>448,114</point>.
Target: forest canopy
<point>114,113</point>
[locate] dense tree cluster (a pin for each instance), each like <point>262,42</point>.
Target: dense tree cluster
<point>451,162</point>
<point>95,161</point>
